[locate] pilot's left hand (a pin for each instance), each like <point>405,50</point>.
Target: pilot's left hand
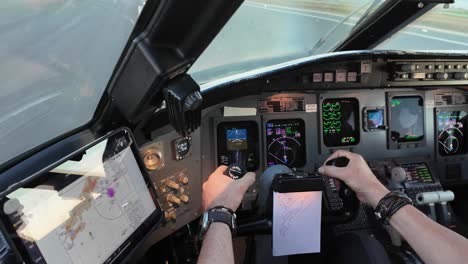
<point>221,190</point>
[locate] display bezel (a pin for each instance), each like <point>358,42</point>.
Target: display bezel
<point>252,128</point>
<point>357,123</point>
<point>436,128</point>
<point>415,144</point>
<point>152,222</point>
<point>282,120</point>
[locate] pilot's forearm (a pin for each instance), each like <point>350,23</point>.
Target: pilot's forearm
<point>217,245</point>
<point>434,243</point>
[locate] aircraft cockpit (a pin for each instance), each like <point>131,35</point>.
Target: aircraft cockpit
<point>114,114</point>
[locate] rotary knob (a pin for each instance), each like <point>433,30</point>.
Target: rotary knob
<point>152,160</point>
<point>441,76</point>
<point>460,76</point>
<point>407,67</point>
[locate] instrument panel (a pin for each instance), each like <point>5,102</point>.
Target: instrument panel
<point>385,125</point>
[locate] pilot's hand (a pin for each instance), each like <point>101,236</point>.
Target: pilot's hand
<point>222,190</point>
<point>358,176</point>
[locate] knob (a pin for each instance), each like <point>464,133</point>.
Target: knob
<point>398,175</point>
<point>438,67</point>
<point>448,67</point>
<point>429,66</point>
<point>184,179</point>
<point>152,160</point>
<point>458,66</point>
<point>173,199</point>
<point>173,185</point>
<point>460,75</point>
<point>184,198</point>
<point>193,101</point>
<point>407,67</point>
<point>441,76</point>
<point>170,216</point>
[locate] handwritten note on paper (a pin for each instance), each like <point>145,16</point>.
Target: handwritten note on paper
<point>296,223</point>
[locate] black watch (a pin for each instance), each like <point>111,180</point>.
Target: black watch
<point>218,214</point>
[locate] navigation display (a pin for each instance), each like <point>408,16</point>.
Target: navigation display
<point>285,140</point>
<point>340,122</point>
<point>451,127</point>
<point>406,119</point>
<point>86,211</point>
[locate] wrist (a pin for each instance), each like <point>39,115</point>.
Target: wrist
<point>378,191</point>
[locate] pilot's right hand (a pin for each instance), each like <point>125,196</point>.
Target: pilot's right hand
<point>358,176</point>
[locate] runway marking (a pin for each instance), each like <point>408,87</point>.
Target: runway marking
<point>281,9</point>
<point>300,14</point>
<point>436,38</point>
<point>292,8</point>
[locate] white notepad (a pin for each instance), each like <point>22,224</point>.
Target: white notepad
<point>296,223</point>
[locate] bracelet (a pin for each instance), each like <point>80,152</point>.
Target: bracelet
<point>389,205</point>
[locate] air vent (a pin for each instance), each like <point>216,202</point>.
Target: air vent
<point>184,102</point>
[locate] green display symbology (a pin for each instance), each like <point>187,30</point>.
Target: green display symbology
<point>340,122</point>
<point>331,116</point>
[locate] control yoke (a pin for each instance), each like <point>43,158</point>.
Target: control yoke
<point>281,179</point>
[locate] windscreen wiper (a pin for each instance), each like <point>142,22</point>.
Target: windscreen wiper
<point>324,38</point>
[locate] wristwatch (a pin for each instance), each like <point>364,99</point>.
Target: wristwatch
<point>218,214</point>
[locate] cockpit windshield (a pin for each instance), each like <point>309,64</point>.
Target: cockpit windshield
<point>442,28</point>
<point>268,32</point>
<point>56,58</point>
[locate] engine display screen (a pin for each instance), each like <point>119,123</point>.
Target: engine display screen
<point>451,127</point>
<point>236,139</point>
<point>406,119</point>
<point>285,140</point>
<point>340,122</point>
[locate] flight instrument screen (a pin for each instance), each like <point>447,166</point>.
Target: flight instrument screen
<point>285,140</point>
<point>86,211</point>
<point>340,122</point>
<point>451,127</point>
<point>406,119</point>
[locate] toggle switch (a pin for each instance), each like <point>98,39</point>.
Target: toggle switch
<point>184,198</point>
<point>173,185</point>
<point>173,199</point>
<point>170,216</point>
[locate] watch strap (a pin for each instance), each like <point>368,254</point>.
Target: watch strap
<point>221,214</point>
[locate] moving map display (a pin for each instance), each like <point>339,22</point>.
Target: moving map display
<point>451,130</point>
<point>406,119</point>
<point>285,140</point>
<point>85,211</point>
<point>340,122</point>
